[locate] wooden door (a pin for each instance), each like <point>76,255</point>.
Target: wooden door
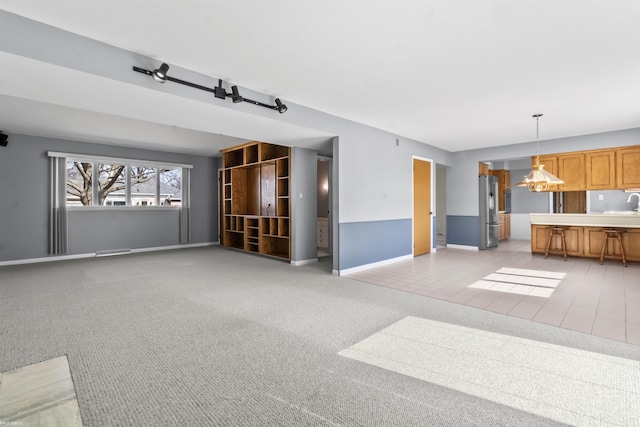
<point>421,207</point>
<point>574,202</point>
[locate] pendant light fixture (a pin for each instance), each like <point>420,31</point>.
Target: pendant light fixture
<point>539,179</point>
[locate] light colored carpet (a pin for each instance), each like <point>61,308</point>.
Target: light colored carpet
<point>572,386</point>
<point>214,337</point>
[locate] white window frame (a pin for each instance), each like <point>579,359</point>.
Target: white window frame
<point>127,162</point>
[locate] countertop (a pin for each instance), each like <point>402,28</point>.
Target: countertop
<point>622,220</point>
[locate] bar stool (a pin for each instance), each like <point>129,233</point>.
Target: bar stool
<point>556,232</point>
<point>613,234</point>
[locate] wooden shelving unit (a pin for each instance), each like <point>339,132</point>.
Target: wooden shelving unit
<point>255,205</point>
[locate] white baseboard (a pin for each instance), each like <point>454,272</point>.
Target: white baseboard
<point>94,254</point>
<point>352,270</point>
<point>465,247</point>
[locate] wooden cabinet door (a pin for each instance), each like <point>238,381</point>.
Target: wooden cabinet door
<point>594,238</point>
<point>573,239</point>
<point>572,171</point>
<point>483,169</point>
<point>507,226</point>
<point>550,163</point>
<point>600,168</point>
<point>628,167</point>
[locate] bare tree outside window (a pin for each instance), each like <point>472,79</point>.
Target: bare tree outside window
<point>143,185</point>
<point>79,183</point>
<point>111,179</point>
<point>172,177</point>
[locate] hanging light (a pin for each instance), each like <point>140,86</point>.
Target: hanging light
<point>539,179</point>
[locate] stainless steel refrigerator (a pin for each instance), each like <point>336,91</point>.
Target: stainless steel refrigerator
<point>489,223</point>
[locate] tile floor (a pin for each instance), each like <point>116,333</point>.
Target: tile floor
<point>568,385</point>
<point>602,300</point>
<point>41,394</point>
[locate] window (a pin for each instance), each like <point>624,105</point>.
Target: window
<point>79,183</point>
<point>112,183</point>
<point>92,182</point>
<point>144,188</point>
<point>171,187</point>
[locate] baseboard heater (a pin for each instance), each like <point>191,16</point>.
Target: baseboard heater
<point>113,252</point>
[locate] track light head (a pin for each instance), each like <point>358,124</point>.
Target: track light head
<point>280,106</point>
<point>219,91</point>
<point>160,75</point>
<point>235,95</point>
<point>4,139</point>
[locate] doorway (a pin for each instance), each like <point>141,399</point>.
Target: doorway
<point>421,206</point>
<point>570,202</point>
<point>324,206</point>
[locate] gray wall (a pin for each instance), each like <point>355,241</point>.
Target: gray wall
<point>523,200</point>
<point>24,191</point>
<point>304,201</point>
<point>612,200</point>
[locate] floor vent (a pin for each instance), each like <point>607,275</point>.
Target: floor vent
<point>113,252</point>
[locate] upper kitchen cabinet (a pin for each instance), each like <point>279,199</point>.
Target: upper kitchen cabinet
<point>504,182</point>
<point>600,166</point>
<point>483,169</point>
<point>550,163</point>
<point>572,171</point>
<point>628,167</point>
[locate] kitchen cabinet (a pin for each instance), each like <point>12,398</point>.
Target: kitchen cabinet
<point>606,169</point>
<point>628,167</point>
<point>573,239</point>
<point>504,182</point>
<point>571,170</point>
<point>255,206</point>
<point>483,169</point>
<point>594,237</point>
<point>504,220</point>
<point>586,241</point>
<point>600,167</point>
<point>550,163</point>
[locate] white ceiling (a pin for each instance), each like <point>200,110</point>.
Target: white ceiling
<point>454,74</point>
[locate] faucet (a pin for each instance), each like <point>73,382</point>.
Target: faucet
<point>629,200</point>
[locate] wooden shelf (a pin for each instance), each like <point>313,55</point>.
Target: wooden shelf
<point>255,204</point>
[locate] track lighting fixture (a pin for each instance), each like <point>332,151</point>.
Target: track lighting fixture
<point>219,91</point>
<point>280,107</point>
<point>235,95</point>
<point>160,75</point>
<point>4,139</point>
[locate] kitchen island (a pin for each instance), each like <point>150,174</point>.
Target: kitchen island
<point>584,234</point>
